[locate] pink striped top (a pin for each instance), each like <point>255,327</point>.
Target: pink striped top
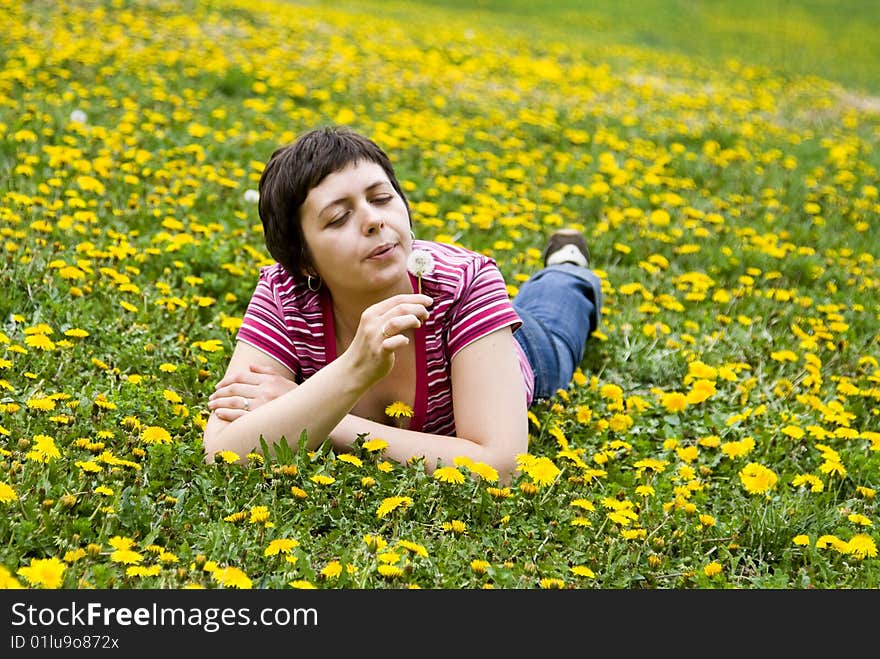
<point>295,325</point>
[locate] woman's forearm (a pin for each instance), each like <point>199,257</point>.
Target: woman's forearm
<point>316,406</point>
<point>437,450</point>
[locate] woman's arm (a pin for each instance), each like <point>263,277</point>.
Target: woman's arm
<point>489,404</point>
<point>491,415</point>
<point>317,405</point>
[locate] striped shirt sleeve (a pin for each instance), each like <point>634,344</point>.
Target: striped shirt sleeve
<point>483,305</point>
<point>263,325</point>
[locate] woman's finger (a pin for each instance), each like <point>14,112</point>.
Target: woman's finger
<point>239,378</point>
<point>228,413</point>
<point>265,370</point>
<point>388,304</point>
<point>399,324</point>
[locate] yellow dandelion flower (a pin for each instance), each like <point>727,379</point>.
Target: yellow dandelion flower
<point>44,572</point>
<point>542,471</point>
<point>322,479</point>
<point>449,475</point>
<point>120,542</point>
<point>155,435</point>
<point>390,571</point>
<point>39,341</point>
<point>398,409</point>
<point>825,541</point>
<point>298,492</point>
<point>833,468</point>
<point>792,431</point>
<point>712,569</point>
<point>862,546</point>
<point>390,504</point>
<point>583,414</point>
<point>611,392</point>
<point>231,577</point>
<point>44,449</point>
<point>487,472</point>
<point>456,526</point>
<point>551,583</point>
<point>414,548</point>
<point>7,581</point>
<point>126,556</point>
<point>229,457</point>
<point>332,570</point>
<point>375,445</point>
<point>41,403</point>
<point>700,390</point>
<point>584,504</point>
<point>673,401</point>
<point>259,515</point>
<point>480,566</point>
<point>801,540</point>
<point>280,546</point>
<point>374,542</point>
<point>528,488</point>
<point>388,557</point>
<point>7,494</point>
<point>143,571</point>
<point>583,571</point>
<point>302,584</point>
<point>73,555</point>
<point>867,492</point>
<point>350,459</point>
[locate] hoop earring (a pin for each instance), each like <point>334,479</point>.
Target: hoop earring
<point>309,279</point>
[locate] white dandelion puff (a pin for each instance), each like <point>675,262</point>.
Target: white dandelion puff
<point>419,263</point>
<point>251,196</point>
<point>79,117</point>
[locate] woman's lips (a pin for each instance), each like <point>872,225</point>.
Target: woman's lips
<point>381,251</point>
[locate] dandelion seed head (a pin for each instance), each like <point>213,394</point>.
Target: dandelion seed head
<point>420,262</point>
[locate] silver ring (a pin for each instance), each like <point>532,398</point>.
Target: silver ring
<point>247,404</point>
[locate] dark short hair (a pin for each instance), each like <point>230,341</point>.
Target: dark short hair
<point>293,170</point>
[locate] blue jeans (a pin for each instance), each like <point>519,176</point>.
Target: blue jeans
<point>560,307</point>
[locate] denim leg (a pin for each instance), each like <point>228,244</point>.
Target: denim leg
<point>560,307</point>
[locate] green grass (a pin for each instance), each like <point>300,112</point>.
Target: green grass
<point>730,209</point>
<point>835,40</point>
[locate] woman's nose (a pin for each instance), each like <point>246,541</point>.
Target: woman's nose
<point>373,220</point>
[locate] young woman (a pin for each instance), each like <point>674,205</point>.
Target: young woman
<point>340,327</point>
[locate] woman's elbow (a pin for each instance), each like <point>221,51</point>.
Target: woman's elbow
<point>506,458</point>
<point>211,444</point>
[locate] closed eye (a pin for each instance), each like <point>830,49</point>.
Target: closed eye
<point>338,220</point>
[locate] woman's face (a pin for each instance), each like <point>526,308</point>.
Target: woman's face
<point>356,229</point>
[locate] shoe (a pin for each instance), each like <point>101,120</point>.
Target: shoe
<point>567,246</point>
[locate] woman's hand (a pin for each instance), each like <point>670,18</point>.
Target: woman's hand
<point>382,330</point>
<point>238,393</point>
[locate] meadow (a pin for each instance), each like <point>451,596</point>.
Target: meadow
<point>722,432</point>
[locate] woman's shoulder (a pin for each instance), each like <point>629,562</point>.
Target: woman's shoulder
<point>275,273</point>
<point>288,291</point>
<point>455,272</point>
<point>451,259</point>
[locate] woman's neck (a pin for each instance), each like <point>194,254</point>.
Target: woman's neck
<point>348,308</point>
